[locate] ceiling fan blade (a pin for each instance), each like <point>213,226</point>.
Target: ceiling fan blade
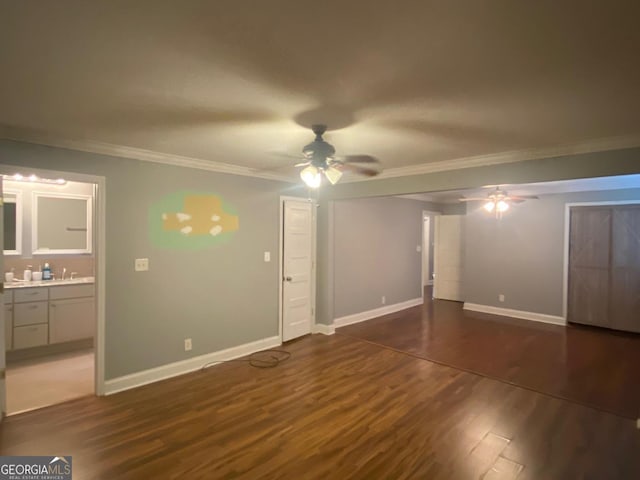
<point>523,197</point>
<point>358,159</point>
<point>473,199</point>
<point>302,164</point>
<point>366,171</point>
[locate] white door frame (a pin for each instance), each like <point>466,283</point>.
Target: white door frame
<point>99,240</point>
<point>425,252</point>
<point>314,217</point>
<point>567,224</point>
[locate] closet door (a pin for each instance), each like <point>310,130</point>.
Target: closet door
<point>589,256</point>
<point>625,268</point>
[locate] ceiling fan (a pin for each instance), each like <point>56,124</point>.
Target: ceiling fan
<point>498,200</point>
<point>320,160</point>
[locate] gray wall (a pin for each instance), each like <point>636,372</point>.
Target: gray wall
<point>222,296</point>
<point>522,254</point>
<point>374,246</point>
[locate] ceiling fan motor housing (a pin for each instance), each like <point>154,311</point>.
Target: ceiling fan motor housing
<point>319,151</point>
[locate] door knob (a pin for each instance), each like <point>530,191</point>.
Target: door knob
<point>287,279</point>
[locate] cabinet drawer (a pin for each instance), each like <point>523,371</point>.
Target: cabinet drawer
<point>8,327</point>
<point>31,294</point>
<point>8,296</point>
<point>71,291</point>
<point>30,336</point>
<point>30,313</point>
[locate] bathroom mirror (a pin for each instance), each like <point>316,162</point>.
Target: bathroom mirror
<point>61,224</point>
<point>12,216</point>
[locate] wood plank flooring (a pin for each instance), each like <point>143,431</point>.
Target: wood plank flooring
<point>591,366</point>
<point>339,408</point>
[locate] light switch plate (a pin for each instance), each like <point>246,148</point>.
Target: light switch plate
<point>141,264</point>
<point>418,248</point>
<point>267,256</point>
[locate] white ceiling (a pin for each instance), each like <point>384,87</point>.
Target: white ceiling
<point>234,82</point>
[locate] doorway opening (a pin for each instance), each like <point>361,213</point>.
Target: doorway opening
<point>428,241</point>
<point>52,235</point>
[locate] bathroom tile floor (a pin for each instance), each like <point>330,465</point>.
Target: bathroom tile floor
<point>44,381</point>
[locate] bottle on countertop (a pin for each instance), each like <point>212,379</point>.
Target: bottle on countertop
<point>46,272</point>
<point>26,275</point>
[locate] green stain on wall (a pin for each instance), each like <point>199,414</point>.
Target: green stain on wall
<point>191,221</point>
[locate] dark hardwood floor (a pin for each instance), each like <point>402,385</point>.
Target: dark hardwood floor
<point>339,408</point>
<point>587,365</point>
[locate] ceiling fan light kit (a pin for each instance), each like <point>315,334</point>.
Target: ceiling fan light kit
<point>321,162</point>
<point>499,201</point>
<point>311,176</point>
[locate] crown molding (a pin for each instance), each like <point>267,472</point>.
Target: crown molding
<point>513,156</point>
<point>110,149</point>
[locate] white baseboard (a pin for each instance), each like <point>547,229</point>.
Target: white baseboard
<point>163,372</point>
<point>507,312</point>
<point>323,329</point>
<point>376,312</point>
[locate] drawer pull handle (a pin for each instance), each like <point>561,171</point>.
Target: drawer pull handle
<point>52,305</point>
<point>33,307</point>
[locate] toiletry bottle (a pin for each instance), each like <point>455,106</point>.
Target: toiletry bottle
<point>26,275</point>
<point>46,272</point>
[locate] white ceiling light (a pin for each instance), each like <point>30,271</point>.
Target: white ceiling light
<point>311,176</point>
<point>499,201</point>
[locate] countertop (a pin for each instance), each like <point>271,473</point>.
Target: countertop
<point>48,283</point>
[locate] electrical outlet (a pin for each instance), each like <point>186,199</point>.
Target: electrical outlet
<point>187,344</point>
<point>418,248</point>
<point>141,264</point>
<point>384,299</point>
<point>501,297</point>
<point>267,256</point>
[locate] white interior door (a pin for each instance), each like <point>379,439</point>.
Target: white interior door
<point>297,268</point>
<point>447,262</point>
<point>3,350</point>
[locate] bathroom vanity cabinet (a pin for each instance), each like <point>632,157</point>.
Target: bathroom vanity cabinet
<point>44,315</point>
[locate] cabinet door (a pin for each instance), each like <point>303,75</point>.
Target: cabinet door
<point>589,250</point>
<point>625,269</point>
<point>8,327</point>
<point>72,319</point>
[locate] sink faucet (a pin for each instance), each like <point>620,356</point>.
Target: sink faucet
<point>64,271</point>
<point>72,274</point>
